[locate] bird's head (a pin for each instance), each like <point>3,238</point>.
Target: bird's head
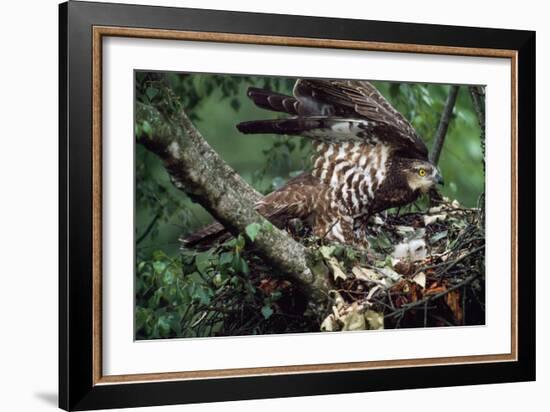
<point>422,175</point>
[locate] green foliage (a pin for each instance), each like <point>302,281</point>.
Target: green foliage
<point>205,294</point>
<point>252,230</point>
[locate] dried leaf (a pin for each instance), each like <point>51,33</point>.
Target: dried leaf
<point>405,229</point>
<point>338,300</point>
<point>268,286</point>
<point>404,268</point>
<point>330,324</point>
<point>420,279</point>
<point>391,274</point>
<point>452,299</point>
<point>337,271</point>
<point>365,274</point>
<point>374,319</point>
<point>429,219</point>
<point>435,288</point>
<point>372,291</point>
<point>354,320</point>
<point>326,251</point>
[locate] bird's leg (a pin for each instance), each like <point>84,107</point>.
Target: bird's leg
<point>346,224</point>
<point>361,231</point>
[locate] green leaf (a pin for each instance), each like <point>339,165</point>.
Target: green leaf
<point>252,230</point>
<point>218,280</point>
<point>140,266</point>
<point>202,262</point>
<point>159,267</point>
<point>168,277</point>
<point>155,299</point>
<point>151,92</point>
<point>147,129</point>
<point>438,236</point>
<point>239,245</point>
<point>244,267</point>
<point>267,226</point>
<point>326,251</point>
<point>276,295</point>
<point>163,325</point>
<point>267,312</point>
<point>202,296</point>
<point>142,314</point>
<point>226,258</point>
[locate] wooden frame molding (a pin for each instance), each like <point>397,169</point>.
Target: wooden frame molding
<point>99,32</point>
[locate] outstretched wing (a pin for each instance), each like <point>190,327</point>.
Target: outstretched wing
<point>334,111</point>
<point>360,99</point>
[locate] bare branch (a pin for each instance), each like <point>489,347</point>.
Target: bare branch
<point>441,132</point>
<point>477,93</point>
<point>478,99</point>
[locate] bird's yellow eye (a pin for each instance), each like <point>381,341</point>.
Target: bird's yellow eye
<point>422,172</point>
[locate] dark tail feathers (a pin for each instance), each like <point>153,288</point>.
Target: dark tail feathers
<point>266,99</point>
<point>206,236</point>
<point>291,126</point>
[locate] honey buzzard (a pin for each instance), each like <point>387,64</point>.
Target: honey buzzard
<point>367,158</point>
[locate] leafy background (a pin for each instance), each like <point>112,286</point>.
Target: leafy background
<point>172,286</point>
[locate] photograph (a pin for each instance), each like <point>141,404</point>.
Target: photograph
<point>274,205</point>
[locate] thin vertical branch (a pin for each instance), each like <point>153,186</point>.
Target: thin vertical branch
<point>478,99</point>
<point>443,126</point>
<point>477,93</point>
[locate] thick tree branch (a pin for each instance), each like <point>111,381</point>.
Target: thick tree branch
<point>196,168</point>
<point>441,132</point>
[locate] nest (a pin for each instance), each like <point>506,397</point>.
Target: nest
<point>422,270</point>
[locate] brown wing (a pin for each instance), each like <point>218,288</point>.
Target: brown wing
<point>359,99</point>
<point>296,199</point>
<point>336,111</point>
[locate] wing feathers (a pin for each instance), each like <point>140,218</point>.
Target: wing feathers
<point>266,99</point>
<point>362,99</point>
<point>337,110</point>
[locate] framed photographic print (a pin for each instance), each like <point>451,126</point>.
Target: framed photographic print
<point>259,205</point>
